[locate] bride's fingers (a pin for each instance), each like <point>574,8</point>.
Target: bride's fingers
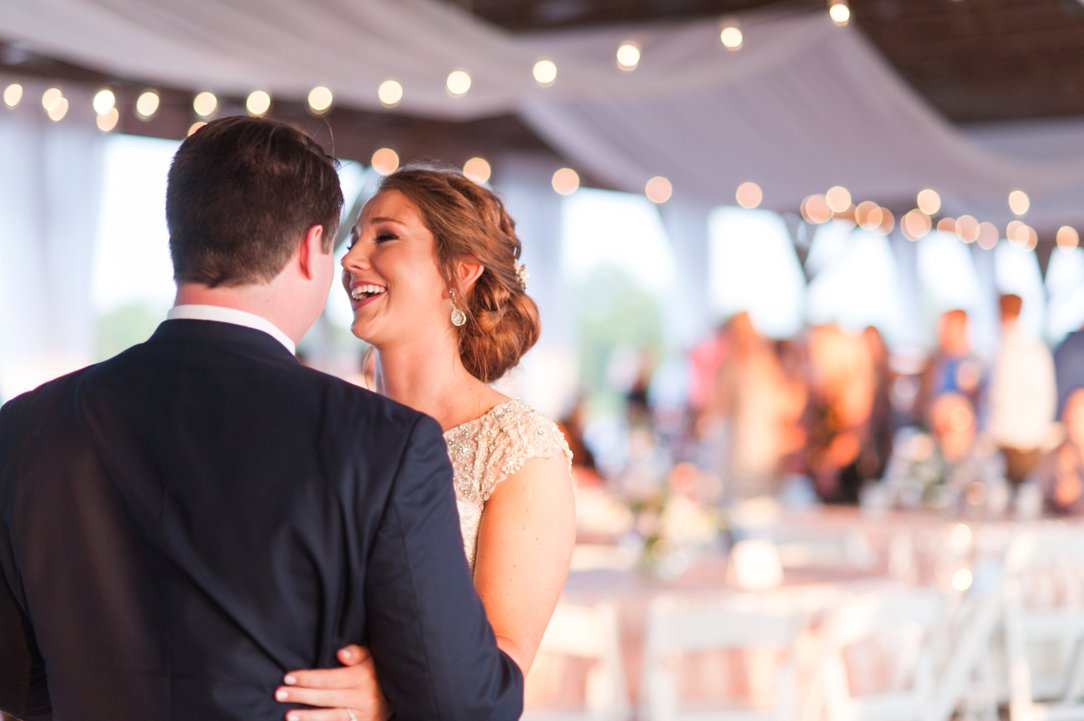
<point>326,699</point>
<point>331,678</point>
<point>326,714</point>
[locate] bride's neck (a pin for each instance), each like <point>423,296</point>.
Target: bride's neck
<point>434,383</point>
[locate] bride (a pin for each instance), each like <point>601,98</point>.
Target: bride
<point>435,287</point>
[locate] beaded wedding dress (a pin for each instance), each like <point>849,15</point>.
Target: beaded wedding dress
<point>488,449</point>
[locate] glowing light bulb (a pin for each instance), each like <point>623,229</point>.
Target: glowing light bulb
<point>390,93</point>
<point>458,83</point>
<point>320,99</point>
<point>385,161</point>
<point>628,55</point>
<point>749,195</point>
<point>731,37</point>
<point>565,181</point>
<point>839,199</point>
<point>478,170</point>
<point>915,225</point>
<point>58,109</point>
<point>50,97</point>
<point>545,72</point>
<point>204,103</point>
<point>147,104</point>
<point>104,101</point>
<point>13,95</point>
<point>258,102</point>
<point>658,190</point>
<point>929,202</point>
<point>988,235</point>
<point>108,120</point>
<point>840,13</point>
<point>1019,202</point>
<point>1067,238</point>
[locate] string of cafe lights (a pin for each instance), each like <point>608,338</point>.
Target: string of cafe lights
<point>389,93</point>
<point>834,204</point>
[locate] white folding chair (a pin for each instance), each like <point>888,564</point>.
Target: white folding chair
<point>674,629</point>
<point>1044,625</point>
<point>587,634</point>
<point>896,626</point>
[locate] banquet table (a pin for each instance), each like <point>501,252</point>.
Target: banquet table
<point>871,550</point>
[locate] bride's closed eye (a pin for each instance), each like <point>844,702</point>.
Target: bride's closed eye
<point>382,237</point>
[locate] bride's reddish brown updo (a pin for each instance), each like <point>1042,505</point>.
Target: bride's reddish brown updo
<point>468,221</point>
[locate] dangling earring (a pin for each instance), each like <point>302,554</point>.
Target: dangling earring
<point>459,318</point>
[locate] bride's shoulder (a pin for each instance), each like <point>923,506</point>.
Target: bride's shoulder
<point>528,433</point>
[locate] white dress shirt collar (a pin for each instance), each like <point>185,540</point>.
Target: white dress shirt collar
<point>222,314</point>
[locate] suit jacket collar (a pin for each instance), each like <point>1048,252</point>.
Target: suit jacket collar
<point>218,334</point>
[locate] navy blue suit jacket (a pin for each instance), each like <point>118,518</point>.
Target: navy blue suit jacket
<point>181,524</point>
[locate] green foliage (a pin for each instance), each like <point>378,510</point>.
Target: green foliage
<point>124,327</point>
<point>614,311</point>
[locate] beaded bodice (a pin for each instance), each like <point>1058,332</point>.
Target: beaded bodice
<point>488,449</point>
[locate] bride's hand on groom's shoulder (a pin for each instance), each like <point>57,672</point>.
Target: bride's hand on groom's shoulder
<point>350,693</point>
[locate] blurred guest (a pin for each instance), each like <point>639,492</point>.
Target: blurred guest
<point>953,368</point>
<point>637,401</point>
<point>840,414</point>
<point>748,395</point>
<point>882,420</point>
<point>584,469</point>
<point>1069,366</point>
<point>795,400</point>
<point>1061,473</point>
<point>704,362</point>
<point>951,462</point>
<point>1022,394</point>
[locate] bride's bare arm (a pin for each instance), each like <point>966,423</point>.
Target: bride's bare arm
<point>524,547</point>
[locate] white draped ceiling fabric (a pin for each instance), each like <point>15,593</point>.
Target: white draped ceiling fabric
<point>804,105</point>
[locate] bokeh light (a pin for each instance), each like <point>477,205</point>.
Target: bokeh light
<point>478,170</point>
<point>13,95</point>
<point>658,190</point>
<point>565,181</point>
<point>204,103</point>
<point>458,83</point>
<point>385,161</point>
<point>929,201</point>
<point>749,195</point>
<point>628,55</point>
<point>258,102</point>
<point>320,100</point>
<point>390,93</point>
<point>147,104</point>
<point>545,72</point>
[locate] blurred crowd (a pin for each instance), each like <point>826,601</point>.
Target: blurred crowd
<point>832,417</point>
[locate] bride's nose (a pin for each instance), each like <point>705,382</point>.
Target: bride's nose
<point>356,258</point>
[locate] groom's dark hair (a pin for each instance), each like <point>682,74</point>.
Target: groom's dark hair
<point>241,193</point>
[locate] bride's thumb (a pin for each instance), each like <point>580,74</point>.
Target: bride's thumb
<point>352,655</point>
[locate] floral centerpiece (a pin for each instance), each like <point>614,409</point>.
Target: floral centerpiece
<point>672,523</point>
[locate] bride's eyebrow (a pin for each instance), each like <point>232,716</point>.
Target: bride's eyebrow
<point>386,220</point>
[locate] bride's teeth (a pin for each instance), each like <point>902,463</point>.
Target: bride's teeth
<point>363,290</point>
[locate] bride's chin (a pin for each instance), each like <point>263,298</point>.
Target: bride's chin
<point>359,331</point>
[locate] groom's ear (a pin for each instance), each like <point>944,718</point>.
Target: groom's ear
<point>467,271</point>
<point>310,250</point>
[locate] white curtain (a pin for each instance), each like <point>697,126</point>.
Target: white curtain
<point>803,106</point>
<point>688,313</point>
<point>50,178</point>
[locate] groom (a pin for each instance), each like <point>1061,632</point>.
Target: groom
<point>181,524</point>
